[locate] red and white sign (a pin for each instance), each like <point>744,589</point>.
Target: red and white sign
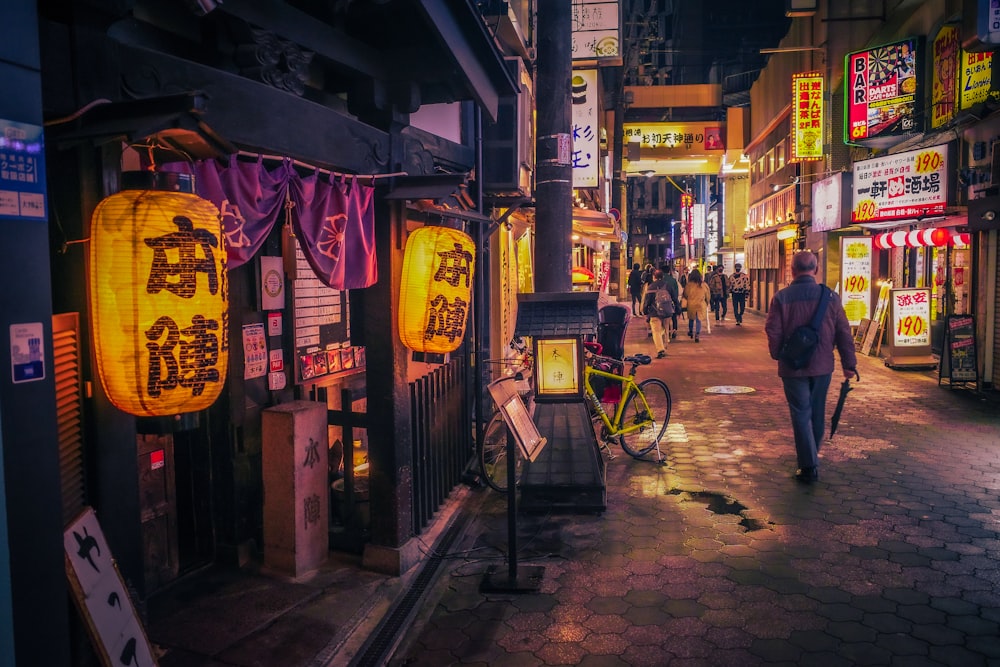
<point>912,184</point>
<point>911,317</point>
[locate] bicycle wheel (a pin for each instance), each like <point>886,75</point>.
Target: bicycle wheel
<point>643,440</point>
<point>493,455</point>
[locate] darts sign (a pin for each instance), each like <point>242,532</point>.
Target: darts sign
<point>883,88</point>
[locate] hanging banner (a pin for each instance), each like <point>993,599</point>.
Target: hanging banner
<point>586,128</point>
<point>904,185</point>
<point>856,277</point>
<point>883,89</point>
<point>944,79</point>
<point>807,117</point>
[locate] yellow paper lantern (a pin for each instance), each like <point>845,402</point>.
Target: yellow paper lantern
<point>159,298</point>
<point>436,287</point>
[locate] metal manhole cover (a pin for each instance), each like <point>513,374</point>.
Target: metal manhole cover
<point>729,389</point>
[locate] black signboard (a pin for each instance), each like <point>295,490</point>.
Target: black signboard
<point>958,358</point>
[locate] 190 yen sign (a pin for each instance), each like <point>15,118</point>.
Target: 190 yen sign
<point>911,316</point>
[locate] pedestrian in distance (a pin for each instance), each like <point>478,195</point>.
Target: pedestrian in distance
<point>720,292</point>
<point>647,278</point>
<point>739,289</point>
<point>659,305</point>
<point>635,286</point>
<point>698,296</point>
<point>671,280</point>
<point>806,388</point>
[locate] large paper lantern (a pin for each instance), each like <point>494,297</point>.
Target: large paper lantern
<point>159,301</point>
<point>436,288</point>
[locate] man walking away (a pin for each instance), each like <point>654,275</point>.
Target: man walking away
<point>717,283</point>
<point>659,304</point>
<point>635,286</point>
<point>805,388</point>
<point>739,288</point>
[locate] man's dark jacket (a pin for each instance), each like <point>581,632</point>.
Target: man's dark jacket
<point>794,306</point>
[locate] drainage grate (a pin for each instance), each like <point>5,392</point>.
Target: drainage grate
<point>382,642</point>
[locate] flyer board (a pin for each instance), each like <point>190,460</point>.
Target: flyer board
<point>958,358</point>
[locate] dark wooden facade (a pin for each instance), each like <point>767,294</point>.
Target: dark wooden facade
<point>329,84</point>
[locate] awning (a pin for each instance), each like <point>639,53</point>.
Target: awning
<point>596,224</point>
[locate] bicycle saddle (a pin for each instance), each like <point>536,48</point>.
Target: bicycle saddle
<point>641,359</point>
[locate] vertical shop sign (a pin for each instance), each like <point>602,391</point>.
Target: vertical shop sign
<point>22,171</point>
<point>944,78</point>
<point>586,128</point>
<point>856,277</point>
<point>807,117</point>
<point>697,221</point>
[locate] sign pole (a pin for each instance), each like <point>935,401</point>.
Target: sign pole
<point>523,580</point>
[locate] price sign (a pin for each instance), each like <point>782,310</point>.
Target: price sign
<point>928,161</point>
<point>911,315</point>
<point>856,284</point>
<point>855,277</point>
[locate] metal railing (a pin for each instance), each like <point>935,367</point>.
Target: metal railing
<point>441,437</point>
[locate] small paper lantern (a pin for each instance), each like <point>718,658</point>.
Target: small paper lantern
<point>436,289</point>
<point>159,298</point>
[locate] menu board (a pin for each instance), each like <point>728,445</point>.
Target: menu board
<point>958,359</point>
<point>321,318</point>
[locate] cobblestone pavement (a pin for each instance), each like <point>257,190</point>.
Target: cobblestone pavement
<point>721,558</point>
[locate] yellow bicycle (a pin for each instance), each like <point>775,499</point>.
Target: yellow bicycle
<point>641,411</point>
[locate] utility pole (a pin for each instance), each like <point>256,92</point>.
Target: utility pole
<point>553,147</point>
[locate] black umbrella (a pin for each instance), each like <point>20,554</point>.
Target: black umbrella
<point>844,388</point>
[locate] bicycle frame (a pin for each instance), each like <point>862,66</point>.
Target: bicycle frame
<point>614,424</point>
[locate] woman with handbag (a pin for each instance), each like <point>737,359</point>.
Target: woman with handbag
<point>698,296</point>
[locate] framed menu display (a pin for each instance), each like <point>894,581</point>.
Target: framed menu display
<point>958,357</point>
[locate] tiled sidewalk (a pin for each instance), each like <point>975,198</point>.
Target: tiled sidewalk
<point>721,558</point>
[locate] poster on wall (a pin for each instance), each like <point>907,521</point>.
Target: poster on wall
<point>254,351</point>
<point>22,171</point>
<point>856,277</point>
<point>883,87</point>
<point>904,185</point>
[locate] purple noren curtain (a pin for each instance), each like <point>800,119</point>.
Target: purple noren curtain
<point>333,219</point>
